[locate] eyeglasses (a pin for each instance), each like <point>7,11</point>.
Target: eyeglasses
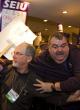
<point>18,53</point>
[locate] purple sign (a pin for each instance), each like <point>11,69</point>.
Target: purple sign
<point>9,9</point>
<point>15,5</point>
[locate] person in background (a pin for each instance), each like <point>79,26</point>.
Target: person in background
<point>13,85</point>
<point>60,64</point>
<point>37,40</point>
<point>42,47</point>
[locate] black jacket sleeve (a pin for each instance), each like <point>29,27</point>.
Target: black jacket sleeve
<point>73,83</point>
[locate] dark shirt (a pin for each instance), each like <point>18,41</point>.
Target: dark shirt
<point>68,72</point>
<point>16,81</point>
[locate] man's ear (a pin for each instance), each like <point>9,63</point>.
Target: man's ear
<point>29,58</point>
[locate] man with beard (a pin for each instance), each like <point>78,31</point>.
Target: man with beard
<point>16,77</point>
<point>60,65</point>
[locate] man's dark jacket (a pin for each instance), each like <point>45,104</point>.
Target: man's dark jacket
<point>68,72</point>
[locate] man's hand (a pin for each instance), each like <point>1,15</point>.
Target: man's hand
<point>74,97</point>
<point>43,86</point>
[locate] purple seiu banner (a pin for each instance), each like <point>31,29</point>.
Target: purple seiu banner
<point>16,5</point>
<point>10,9</point>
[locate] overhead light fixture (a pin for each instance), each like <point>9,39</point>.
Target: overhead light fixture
<point>64,12</point>
<point>45,29</point>
<point>45,20</point>
<point>69,26</point>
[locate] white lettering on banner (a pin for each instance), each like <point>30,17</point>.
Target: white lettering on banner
<point>12,4</point>
<point>24,6</point>
<point>6,4</point>
<point>15,5</point>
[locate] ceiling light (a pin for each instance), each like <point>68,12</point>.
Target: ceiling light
<point>69,26</point>
<point>45,29</point>
<point>45,20</point>
<point>64,12</point>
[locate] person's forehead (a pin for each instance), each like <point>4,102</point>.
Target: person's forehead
<point>58,41</point>
<point>20,48</point>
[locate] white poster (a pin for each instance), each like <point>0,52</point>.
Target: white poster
<point>13,34</point>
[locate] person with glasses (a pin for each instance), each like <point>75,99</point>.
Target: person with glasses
<point>16,77</point>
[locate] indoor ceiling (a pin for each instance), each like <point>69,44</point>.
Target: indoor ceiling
<point>52,11</point>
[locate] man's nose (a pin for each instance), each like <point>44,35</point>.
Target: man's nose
<point>59,48</point>
<point>14,55</point>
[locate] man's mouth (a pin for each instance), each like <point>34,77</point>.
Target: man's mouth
<point>60,57</point>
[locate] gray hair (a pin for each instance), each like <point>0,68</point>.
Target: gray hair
<point>30,50</point>
<point>57,35</point>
